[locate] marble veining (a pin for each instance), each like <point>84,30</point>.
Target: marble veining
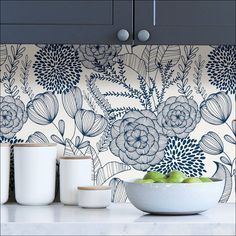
<point>118,219</point>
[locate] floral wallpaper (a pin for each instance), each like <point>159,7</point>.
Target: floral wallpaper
<point>131,108</point>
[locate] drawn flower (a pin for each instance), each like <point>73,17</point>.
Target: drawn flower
<point>222,68</point>
<point>184,155</point>
<point>211,143</point>
<point>89,123</point>
<point>12,116</point>
<point>72,101</point>
<point>43,108</point>
<point>178,116</point>
<point>57,68</point>
<point>137,141</point>
<point>37,137</point>
<point>216,109</point>
<point>95,56</point>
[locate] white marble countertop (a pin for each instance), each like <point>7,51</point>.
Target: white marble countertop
<point>118,219</point>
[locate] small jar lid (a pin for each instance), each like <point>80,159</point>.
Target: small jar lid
<point>5,144</point>
<point>75,158</point>
<point>35,145</point>
<point>98,187</point>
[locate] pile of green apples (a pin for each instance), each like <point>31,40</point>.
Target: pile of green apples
<point>172,177</point>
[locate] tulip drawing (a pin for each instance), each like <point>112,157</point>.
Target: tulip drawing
<point>89,123</point>
<point>72,101</point>
<point>211,143</point>
<point>216,109</point>
<point>43,108</point>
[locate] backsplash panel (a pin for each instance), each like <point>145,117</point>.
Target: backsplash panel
<point>132,109</point>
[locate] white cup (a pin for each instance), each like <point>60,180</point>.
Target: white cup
<point>74,172</point>
<point>5,150</point>
<point>35,173</point>
<point>94,196</point>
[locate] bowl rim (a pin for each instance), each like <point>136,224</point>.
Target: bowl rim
<point>131,181</point>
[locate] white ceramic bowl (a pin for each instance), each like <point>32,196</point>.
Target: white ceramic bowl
<point>174,198</point>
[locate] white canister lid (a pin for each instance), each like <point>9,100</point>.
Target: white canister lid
<point>75,158</point>
<point>35,145</point>
<point>5,144</point>
<point>98,187</point>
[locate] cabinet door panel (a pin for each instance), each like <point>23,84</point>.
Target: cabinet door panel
<point>57,12</point>
<point>65,21</point>
<point>186,21</point>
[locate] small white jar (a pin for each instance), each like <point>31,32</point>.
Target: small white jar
<point>35,173</point>
<point>5,150</point>
<point>74,172</point>
<point>94,196</point>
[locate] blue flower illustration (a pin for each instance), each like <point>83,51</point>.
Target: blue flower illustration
<point>57,68</point>
<point>12,116</point>
<point>211,143</point>
<point>95,56</point>
<point>89,123</point>
<point>184,155</point>
<point>137,141</point>
<point>178,116</point>
<point>72,101</point>
<point>222,68</point>
<point>217,108</point>
<point>37,137</point>
<point>43,108</point>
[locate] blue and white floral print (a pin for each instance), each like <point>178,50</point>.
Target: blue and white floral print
<point>184,155</point>
<point>217,108</point>
<point>72,101</point>
<point>211,143</point>
<point>43,108</point>
<point>221,68</point>
<point>57,68</point>
<point>130,108</point>
<point>96,56</point>
<point>12,116</point>
<point>89,123</point>
<point>136,139</point>
<point>178,116</point>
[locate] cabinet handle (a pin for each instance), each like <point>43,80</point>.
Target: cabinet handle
<point>123,35</point>
<point>143,35</point>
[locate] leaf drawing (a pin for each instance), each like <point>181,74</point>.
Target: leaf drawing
<point>168,53</point>
<point>110,169</point>
<point>135,63</point>
<point>70,149</point>
<point>118,190</point>
<point>223,173</point>
<point>149,56</point>
<point>96,163</point>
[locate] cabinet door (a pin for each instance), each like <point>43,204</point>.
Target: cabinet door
<point>186,21</point>
<point>65,21</point>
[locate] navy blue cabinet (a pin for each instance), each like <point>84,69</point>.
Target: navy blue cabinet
<point>118,21</point>
<point>185,21</point>
<point>65,21</point>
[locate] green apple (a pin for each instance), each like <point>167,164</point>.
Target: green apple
<point>175,177</point>
<point>154,175</point>
<point>163,180</point>
<point>144,181</point>
<point>205,179</point>
<point>192,180</point>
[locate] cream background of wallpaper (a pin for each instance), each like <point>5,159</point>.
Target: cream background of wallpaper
<point>201,129</point>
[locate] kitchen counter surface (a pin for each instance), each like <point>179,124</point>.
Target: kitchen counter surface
<point>118,219</point>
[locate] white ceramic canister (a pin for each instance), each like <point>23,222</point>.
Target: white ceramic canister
<point>35,173</point>
<point>5,150</point>
<point>94,196</point>
<point>74,172</point>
